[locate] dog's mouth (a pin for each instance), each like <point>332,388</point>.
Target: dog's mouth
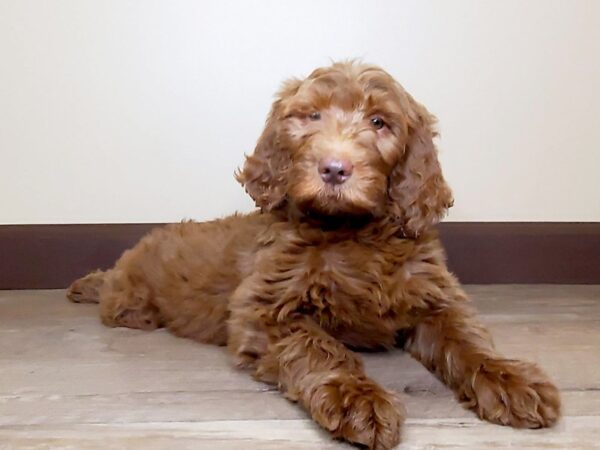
<point>336,202</point>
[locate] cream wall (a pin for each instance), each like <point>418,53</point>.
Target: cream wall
<point>139,111</point>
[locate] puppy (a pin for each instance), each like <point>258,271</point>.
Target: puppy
<point>341,254</point>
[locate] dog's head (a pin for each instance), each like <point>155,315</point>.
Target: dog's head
<point>349,140</point>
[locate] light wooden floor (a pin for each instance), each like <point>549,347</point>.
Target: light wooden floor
<point>68,382</point>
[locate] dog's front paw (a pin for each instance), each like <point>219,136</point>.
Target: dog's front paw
<point>514,393</point>
<point>359,411</point>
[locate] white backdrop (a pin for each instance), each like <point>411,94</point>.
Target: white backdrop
<point>139,111</point>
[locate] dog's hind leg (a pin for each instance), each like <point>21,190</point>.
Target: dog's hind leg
<point>87,289</point>
<point>126,300</point>
<point>123,303</point>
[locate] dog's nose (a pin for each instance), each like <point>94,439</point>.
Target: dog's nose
<point>335,171</point>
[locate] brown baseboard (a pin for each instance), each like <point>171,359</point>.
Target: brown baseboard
<point>51,256</point>
<point>523,252</point>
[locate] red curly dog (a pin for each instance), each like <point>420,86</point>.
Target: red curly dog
<point>342,254</point>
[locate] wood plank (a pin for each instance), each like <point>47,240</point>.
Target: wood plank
<point>572,433</point>
<point>185,406</point>
<point>66,381</point>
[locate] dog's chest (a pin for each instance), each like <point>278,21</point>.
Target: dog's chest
<point>351,292</point>
<point>362,293</point>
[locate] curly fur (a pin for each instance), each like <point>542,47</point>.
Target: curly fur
<point>321,269</point>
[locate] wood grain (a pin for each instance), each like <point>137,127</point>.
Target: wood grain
<point>68,382</point>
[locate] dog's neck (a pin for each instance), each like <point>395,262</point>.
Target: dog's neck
<point>333,223</point>
<point>361,227</point>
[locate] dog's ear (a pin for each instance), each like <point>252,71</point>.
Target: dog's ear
<point>264,172</point>
<point>419,194</point>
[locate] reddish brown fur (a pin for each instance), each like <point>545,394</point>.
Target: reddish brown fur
<point>323,268</point>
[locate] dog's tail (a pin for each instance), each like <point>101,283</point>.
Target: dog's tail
<point>87,289</point>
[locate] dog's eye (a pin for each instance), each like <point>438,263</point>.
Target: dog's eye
<point>377,122</point>
<point>314,116</point>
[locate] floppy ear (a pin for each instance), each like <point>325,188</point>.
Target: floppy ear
<point>420,196</point>
<point>264,172</point>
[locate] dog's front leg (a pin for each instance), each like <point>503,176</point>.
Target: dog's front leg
<point>451,342</point>
<point>312,368</point>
